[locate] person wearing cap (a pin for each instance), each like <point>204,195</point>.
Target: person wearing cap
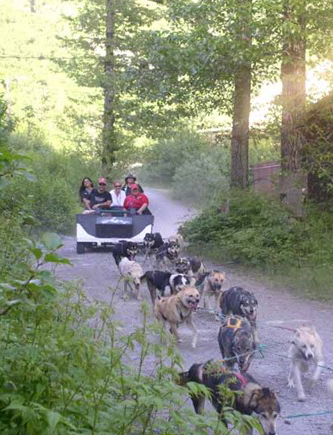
<point>100,197</point>
<point>117,194</point>
<point>137,200</point>
<point>129,180</point>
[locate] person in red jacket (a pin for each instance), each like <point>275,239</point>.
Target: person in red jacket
<point>137,200</point>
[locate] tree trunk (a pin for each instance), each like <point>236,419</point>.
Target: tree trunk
<point>240,129</point>
<point>293,70</point>
<point>109,138</point>
<point>242,101</point>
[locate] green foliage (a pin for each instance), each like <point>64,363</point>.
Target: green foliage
<point>317,152</point>
<point>202,177</point>
<point>60,375</point>
<point>196,169</point>
<point>163,158</point>
<point>53,199</point>
<point>255,231</point>
<point>260,232</point>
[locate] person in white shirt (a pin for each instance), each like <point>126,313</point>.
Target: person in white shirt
<point>118,195</point>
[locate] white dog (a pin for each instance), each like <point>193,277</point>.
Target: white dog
<point>132,273</point>
<point>306,350</point>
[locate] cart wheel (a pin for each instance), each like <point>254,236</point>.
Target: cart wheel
<point>79,248</point>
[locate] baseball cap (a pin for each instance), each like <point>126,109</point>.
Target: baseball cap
<point>134,186</point>
<point>102,180</point>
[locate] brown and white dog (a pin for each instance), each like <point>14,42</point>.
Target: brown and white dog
<point>210,285</point>
<point>306,350</point>
<point>177,309</point>
<point>250,398</point>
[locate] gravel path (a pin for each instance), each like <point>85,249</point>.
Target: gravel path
<point>274,304</point>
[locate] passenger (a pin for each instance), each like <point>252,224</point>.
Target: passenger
<point>117,194</point>
<point>85,192</point>
<point>137,201</point>
<point>129,180</point>
<point>100,198</point>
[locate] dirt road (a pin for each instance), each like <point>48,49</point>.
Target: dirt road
<point>98,271</point>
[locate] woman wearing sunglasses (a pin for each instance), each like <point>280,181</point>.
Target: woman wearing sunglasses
<point>118,196</point>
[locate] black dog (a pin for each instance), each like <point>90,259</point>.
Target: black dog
<point>236,341</point>
<point>255,399</point>
<point>167,253</point>
<point>241,302</point>
<point>152,242</point>
<point>124,249</point>
<point>197,266</point>
<point>164,281</point>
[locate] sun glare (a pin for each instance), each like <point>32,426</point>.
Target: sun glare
<point>317,85</point>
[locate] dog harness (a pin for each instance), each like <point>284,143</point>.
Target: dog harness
<point>241,379</point>
<point>233,323</point>
<point>219,369</point>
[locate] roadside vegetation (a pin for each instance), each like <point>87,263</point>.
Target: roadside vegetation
<point>97,88</point>
<point>65,367</point>
<point>262,235</point>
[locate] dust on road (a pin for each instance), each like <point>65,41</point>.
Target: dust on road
<point>98,272</point>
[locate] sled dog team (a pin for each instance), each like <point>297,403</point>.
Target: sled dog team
<point>177,287</point>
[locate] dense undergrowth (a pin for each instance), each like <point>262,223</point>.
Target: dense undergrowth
<point>258,232</point>
<point>38,192</point>
<point>52,198</point>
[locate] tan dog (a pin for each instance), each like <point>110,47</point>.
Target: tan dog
<point>211,284</point>
<point>306,350</point>
<point>177,309</point>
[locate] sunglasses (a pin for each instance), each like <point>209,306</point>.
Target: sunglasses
<point>102,184</point>
<point>117,185</point>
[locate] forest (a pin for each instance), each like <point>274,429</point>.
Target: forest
<point>192,96</point>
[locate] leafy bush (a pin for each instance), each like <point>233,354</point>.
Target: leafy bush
<point>202,177</point>
<point>258,231</point>
<point>163,158</point>
<point>53,199</point>
<point>60,375</point>
<point>196,169</point>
